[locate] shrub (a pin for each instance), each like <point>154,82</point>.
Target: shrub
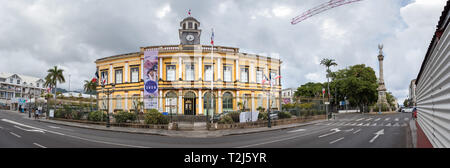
<point>234,116</point>
<point>226,120</point>
<point>283,114</point>
<point>262,116</point>
<point>124,116</point>
<point>97,116</point>
<point>153,116</point>
<point>76,115</point>
<point>60,113</point>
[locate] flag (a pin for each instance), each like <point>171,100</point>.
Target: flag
<point>94,80</point>
<point>189,12</point>
<point>212,37</point>
<point>265,79</point>
<point>96,74</point>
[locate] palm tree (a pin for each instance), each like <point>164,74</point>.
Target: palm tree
<point>54,76</point>
<point>90,87</point>
<point>327,63</point>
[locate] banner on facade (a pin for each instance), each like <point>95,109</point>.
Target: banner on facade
<point>151,79</point>
<point>248,116</point>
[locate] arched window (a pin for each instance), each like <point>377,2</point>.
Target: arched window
<point>227,102</point>
<point>171,102</point>
<point>118,102</point>
<point>207,103</point>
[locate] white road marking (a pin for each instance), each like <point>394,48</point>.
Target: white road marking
<point>348,130</point>
<point>374,124</point>
<point>39,145</point>
<point>33,130</point>
<point>296,130</point>
<point>396,119</point>
<point>388,125</point>
<point>356,131</point>
<point>369,119</point>
<point>354,124</point>
<point>406,119</point>
<point>332,142</point>
<point>52,126</point>
<point>18,136</point>
<point>348,124</point>
<point>396,125</point>
<point>1,127</point>
<point>336,130</point>
<point>59,128</point>
<point>380,132</point>
<point>54,132</point>
<point>387,119</point>
<point>360,124</point>
<point>404,125</point>
<point>360,119</point>
<point>377,119</point>
<point>368,124</point>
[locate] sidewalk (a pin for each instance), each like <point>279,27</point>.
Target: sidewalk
<point>174,133</point>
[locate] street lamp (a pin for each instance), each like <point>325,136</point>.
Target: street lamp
<point>108,92</point>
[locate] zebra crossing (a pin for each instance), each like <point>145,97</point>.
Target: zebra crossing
<point>369,122</point>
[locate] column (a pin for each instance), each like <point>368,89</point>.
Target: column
<point>252,73</point>
<point>142,69</point>
<point>200,102</point>
<point>220,102</point>
<point>126,101</point>
<point>110,74</point>
<point>179,67</point>
<point>160,96</point>
<point>237,69</point>
<point>253,102</point>
<point>237,99</point>
<point>160,68</point>
<point>219,74</point>
<point>200,66</point>
<point>111,103</point>
<point>180,103</point>
<point>126,76</point>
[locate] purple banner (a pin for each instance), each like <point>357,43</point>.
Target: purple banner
<point>151,79</point>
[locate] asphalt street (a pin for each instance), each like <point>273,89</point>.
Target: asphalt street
<point>346,131</point>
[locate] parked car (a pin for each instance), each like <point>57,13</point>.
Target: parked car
<point>274,114</point>
<point>407,110</point>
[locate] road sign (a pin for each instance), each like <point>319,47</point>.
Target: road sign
<point>327,102</point>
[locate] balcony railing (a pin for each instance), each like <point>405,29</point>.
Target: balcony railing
<point>204,48</point>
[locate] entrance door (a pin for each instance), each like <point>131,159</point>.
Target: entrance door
<point>189,106</point>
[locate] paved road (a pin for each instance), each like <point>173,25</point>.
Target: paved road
<point>347,131</point>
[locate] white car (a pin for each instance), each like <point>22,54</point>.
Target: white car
<point>407,110</point>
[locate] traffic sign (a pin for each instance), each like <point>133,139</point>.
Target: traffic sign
<point>327,102</point>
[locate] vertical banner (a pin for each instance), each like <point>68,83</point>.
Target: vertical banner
<point>151,79</point>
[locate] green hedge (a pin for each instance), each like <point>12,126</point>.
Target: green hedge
<point>226,120</point>
<point>153,116</point>
<point>282,115</point>
<point>262,116</point>
<point>235,116</point>
<point>97,116</point>
<point>124,116</point>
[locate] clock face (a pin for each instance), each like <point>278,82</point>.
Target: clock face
<point>190,37</point>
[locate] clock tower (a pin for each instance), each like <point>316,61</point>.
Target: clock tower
<point>189,31</point>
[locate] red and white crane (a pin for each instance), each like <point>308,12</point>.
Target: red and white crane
<point>321,8</point>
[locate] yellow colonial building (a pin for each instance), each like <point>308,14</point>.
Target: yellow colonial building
<point>186,73</point>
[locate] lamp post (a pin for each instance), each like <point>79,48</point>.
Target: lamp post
<point>108,92</point>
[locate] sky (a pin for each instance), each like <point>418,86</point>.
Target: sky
<point>39,34</point>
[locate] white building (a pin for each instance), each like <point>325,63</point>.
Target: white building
<point>287,95</point>
<point>16,90</point>
<point>412,93</point>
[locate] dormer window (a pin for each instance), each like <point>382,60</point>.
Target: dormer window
<point>10,80</point>
<point>18,81</point>
<point>189,25</point>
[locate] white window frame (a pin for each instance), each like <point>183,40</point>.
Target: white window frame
<point>171,69</point>
<point>229,72</point>
<point>190,72</point>
<point>121,75</point>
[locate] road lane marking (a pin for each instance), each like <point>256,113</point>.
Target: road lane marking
<point>296,130</point>
<point>380,132</point>
<point>396,125</point>
<point>360,124</point>
<point>369,119</point>
<point>348,130</point>
<point>396,119</point>
<point>54,132</point>
<point>59,128</point>
<point>388,125</point>
<point>39,145</point>
<point>332,142</point>
<point>356,131</point>
<point>404,125</point>
<point>374,124</point>
<point>377,119</point>
<point>18,136</point>
<point>33,130</point>
<point>406,119</point>
<point>360,119</point>
<point>336,130</point>
<point>368,124</point>
<point>387,119</point>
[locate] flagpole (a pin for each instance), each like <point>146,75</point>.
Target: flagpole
<point>212,60</point>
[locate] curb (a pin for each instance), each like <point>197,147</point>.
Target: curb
<point>174,135</point>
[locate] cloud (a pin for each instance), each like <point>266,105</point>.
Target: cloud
<point>39,34</point>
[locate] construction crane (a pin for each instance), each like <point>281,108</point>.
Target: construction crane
<point>321,8</point>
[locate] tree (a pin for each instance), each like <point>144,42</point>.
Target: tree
<point>54,76</point>
<point>390,99</point>
<point>358,84</point>
<point>328,63</point>
<point>309,89</point>
<point>405,103</point>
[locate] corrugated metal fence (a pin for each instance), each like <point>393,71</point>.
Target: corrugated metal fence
<point>433,94</point>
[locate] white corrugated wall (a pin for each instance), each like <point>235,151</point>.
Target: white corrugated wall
<point>433,94</point>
